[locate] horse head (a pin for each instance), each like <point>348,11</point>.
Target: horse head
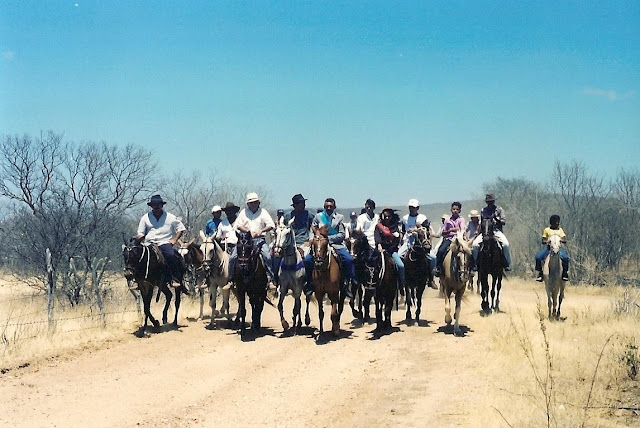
<point>554,244</point>
<point>373,265</point>
<point>131,253</point>
<point>486,227</point>
<point>284,239</point>
<point>244,248</point>
<point>320,248</point>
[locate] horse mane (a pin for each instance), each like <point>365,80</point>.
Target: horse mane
<point>460,244</point>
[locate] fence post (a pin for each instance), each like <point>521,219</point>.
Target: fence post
<point>50,290</point>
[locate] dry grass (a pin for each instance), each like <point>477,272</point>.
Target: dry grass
<point>575,372</point>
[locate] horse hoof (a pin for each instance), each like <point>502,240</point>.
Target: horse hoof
<point>157,324</point>
<point>447,319</point>
<point>285,325</point>
<point>457,332</point>
<point>307,320</point>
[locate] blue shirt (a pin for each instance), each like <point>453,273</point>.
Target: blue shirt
<point>211,227</point>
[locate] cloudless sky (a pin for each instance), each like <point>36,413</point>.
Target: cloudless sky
<point>385,99</point>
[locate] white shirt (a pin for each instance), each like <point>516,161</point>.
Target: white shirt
<point>159,231</point>
<point>226,232</point>
<point>255,222</point>
<point>411,222</point>
<point>367,225</point>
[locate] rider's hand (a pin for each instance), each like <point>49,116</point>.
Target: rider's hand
<point>396,234</point>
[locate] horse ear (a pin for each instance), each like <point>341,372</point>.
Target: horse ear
<point>123,247</point>
<point>290,222</point>
<point>202,235</point>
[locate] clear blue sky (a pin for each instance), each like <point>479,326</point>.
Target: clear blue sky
<point>389,99</point>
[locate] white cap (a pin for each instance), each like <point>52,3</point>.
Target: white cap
<point>474,213</point>
<point>252,197</point>
<point>413,203</point>
<point>216,208</point>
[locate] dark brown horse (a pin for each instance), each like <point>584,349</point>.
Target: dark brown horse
<point>326,279</point>
<point>416,268</point>
<point>360,251</point>
<point>490,262</point>
<point>382,274</point>
<point>250,278</point>
<point>145,265</point>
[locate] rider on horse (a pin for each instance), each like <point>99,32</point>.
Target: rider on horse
<point>226,236</point>
<point>388,236</point>
<point>257,221</point>
<point>367,222</point>
<point>451,225</point>
<point>410,223</point>
<point>553,229</point>
<point>496,214</point>
<point>212,225</point>
<point>163,229</point>
<point>328,217</point>
<point>302,221</point>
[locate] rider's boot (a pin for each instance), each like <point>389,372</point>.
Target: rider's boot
<point>565,275</point>
<point>344,287</point>
<point>539,277</point>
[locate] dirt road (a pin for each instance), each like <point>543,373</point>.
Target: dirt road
<point>418,375</point>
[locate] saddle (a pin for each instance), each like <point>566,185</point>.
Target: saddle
<point>156,250</point>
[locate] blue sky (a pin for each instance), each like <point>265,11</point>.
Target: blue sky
<point>383,99</point>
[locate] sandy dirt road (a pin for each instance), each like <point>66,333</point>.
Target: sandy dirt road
<point>417,375</point>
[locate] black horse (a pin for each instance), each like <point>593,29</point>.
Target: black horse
<point>250,278</point>
<point>417,270</point>
<point>145,265</point>
<point>360,252</point>
<point>382,275</point>
<point>490,262</point>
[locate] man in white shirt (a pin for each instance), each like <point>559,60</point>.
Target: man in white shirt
<point>367,222</point>
<point>163,229</point>
<point>410,222</point>
<point>257,221</point>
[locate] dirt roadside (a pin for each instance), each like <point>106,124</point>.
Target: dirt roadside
<point>415,376</point>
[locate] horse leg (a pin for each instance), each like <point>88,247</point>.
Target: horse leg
<point>242,311</point>
<point>499,287</point>
<point>167,303</point>
<point>421,289</point>
<point>177,306</point>
<point>388,308</point>
<point>320,313</point>
<point>484,281</point>
<point>297,305</point>
<point>335,318</point>
<point>493,293</point>
<point>256,313</point>
<point>447,306</point>
<point>283,292</point>
<point>456,315</point>
<point>409,293</point>
<point>560,299</point>
<point>146,302</point>
<point>307,318</point>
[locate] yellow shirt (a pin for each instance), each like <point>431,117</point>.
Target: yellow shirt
<point>550,232</point>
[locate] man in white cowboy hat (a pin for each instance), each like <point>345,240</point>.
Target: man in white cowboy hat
<point>410,223</point>
<point>163,229</point>
<point>496,214</point>
<point>257,221</point>
<point>212,225</point>
<point>473,227</point>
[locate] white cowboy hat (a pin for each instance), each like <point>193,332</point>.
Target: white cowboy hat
<point>474,213</point>
<point>216,208</point>
<point>252,197</point>
<point>413,203</point>
<point>445,216</point>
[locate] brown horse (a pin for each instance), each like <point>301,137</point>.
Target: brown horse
<point>326,278</point>
<point>454,277</point>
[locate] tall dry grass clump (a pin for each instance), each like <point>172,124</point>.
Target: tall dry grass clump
<point>578,372</point>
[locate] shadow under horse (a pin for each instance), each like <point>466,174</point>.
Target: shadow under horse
<point>145,265</point>
<point>326,277</point>
<point>250,278</point>
<point>490,262</point>
<point>417,271</point>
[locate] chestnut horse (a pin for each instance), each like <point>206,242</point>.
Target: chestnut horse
<point>326,278</point>
<point>416,267</point>
<point>490,262</point>
<point>552,273</point>
<point>454,278</point>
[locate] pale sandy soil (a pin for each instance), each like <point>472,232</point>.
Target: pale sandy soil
<point>418,375</point>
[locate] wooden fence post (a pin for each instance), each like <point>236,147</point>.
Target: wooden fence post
<point>50,290</point>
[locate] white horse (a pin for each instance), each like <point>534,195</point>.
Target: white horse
<point>216,260</point>
<point>291,273</point>
<point>552,273</point>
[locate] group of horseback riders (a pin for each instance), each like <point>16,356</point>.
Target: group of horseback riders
<point>386,231</point>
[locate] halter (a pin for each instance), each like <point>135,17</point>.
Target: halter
<point>324,262</point>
